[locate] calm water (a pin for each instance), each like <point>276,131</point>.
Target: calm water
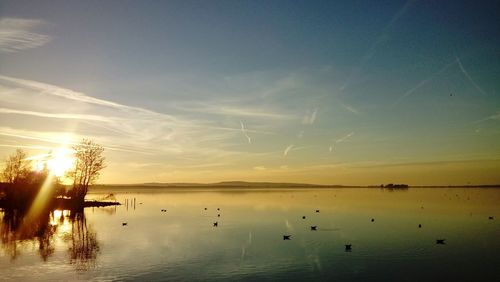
<point>247,244</point>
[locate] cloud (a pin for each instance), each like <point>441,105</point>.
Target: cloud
<point>17,34</point>
<point>52,90</point>
<point>287,150</point>
<point>183,140</point>
<point>310,117</point>
<point>230,110</point>
<point>60,116</point>
<point>259,168</point>
<point>301,134</point>
<point>245,133</point>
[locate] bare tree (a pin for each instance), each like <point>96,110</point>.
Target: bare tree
<point>88,164</point>
<point>16,167</point>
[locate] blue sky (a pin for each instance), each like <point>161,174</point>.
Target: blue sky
<point>350,92</point>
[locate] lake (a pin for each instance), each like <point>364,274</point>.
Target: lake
<point>182,243</point>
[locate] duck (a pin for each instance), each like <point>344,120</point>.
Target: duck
<point>348,247</point>
<point>317,210</point>
<point>124,223</point>
<point>286,237</point>
<point>216,224</point>
<point>314,227</point>
<point>304,217</point>
<point>440,241</point>
<point>373,219</point>
<point>420,226</point>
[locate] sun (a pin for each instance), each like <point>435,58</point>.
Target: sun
<point>58,161</point>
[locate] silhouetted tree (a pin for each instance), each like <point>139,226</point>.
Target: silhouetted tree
<point>16,167</point>
<point>88,164</point>
<point>22,183</point>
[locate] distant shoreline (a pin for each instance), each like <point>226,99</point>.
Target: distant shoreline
<point>267,185</point>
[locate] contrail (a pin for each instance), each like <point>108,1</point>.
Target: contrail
<point>285,153</point>
<point>350,109</point>
<point>380,40</point>
<point>491,117</point>
<point>469,77</point>
<point>54,141</point>
<point>424,82</point>
<point>49,115</point>
<point>48,89</point>
<point>245,132</point>
<point>344,138</point>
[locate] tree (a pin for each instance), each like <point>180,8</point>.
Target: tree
<point>88,164</point>
<point>17,167</point>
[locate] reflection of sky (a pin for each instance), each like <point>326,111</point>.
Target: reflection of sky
<point>182,243</point>
<point>183,91</point>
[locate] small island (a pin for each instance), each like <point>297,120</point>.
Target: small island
<point>392,186</point>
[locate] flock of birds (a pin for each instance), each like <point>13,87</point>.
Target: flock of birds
<point>348,247</point>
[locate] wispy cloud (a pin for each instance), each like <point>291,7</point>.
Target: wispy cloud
<point>182,139</point>
<point>52,90</point>
<point>17,34</point>
<point>301,134</point>
<point>287,150</point>
<point>310,116</point>
<point>245,132</point>
<point>469,77</point>
<point>50,115</point>
<point>230,110</point>
<point>57,138</point>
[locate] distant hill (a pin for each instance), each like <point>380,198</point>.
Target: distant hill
<point>224,184</point>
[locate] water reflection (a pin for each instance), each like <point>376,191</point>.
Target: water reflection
<point>84,246</point>
<point>171,237</point>
<point>21,233</point>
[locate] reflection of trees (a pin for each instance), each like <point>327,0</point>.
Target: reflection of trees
<point>18,231</point>
<point>84,246</point>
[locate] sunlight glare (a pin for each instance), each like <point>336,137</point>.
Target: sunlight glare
<point>60,162</point>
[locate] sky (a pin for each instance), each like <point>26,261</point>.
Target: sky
<point>327,92</point>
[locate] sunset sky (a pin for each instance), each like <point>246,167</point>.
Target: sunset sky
<point>331,92</point>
